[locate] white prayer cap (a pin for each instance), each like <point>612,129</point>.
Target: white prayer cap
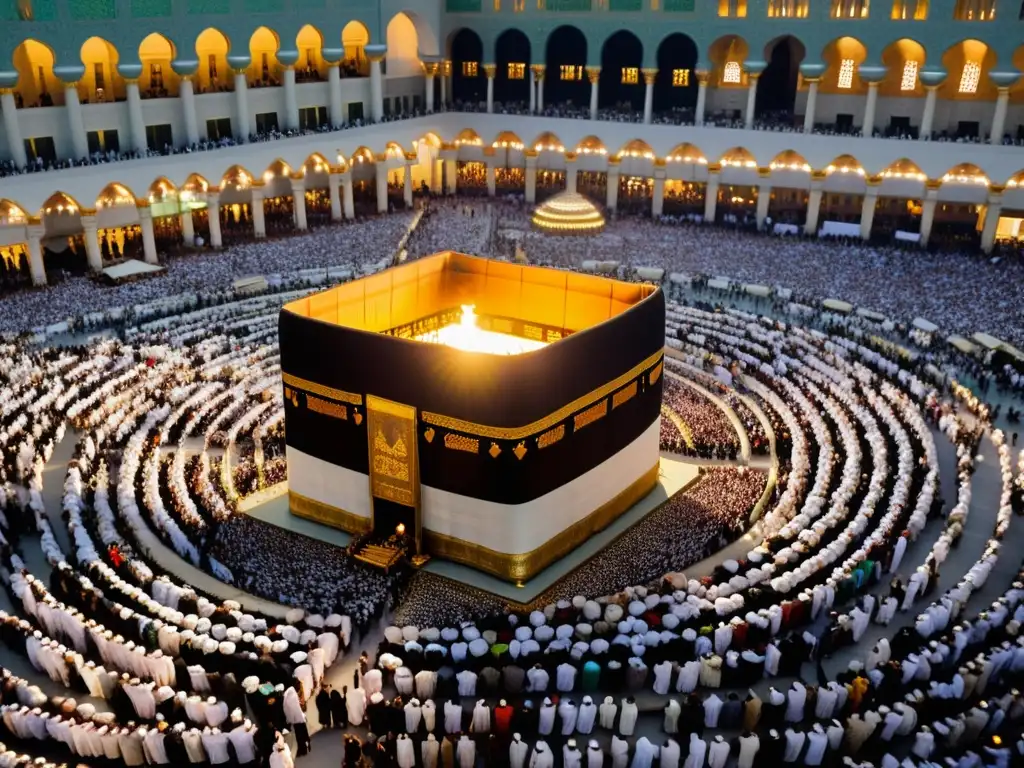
<point>578,602</point>
<point>523,633</point>
<point>621,640</point>
<point>294,616</point>
<point>591,610</point>
<point>316,621</point>
<point>636,608</point>
<point>203,626</point>
<point>227,648</point>
<point>478,647</point>
<point>537,619</point>
<point>413,647</point>
<point>218,631</point>
<point>289,633</point>
<point>332,621</point>
<point>612,613</point>
<point>232,605</point>
<point>470,633</point>
<point>430,635</point>
<point>449,634</point>
<point>393,634</point>
<point>234,635</point>
<point>599,646</point>
<point>530,646</point>
<point>279,646</point>
<point>410,633</point>
<point>299,657</point>
<point>564,631</point>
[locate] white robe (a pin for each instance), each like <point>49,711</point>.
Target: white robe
<point>794,744</point>
<point>406,752</point>
<point>465,752</point>
<point>669,754</point>
<point>698,749</point>
<point>517,752</point>
<point>546,719</point>
<point>627,721</point>
<point>796,697</point>
<point>571,758</point>
<point>662,677</point>
<point>607,712</point>
<point>595,757</point>
<point>897,554</point>
<point>467,683</point>
<point>568,712</point>
<point>672,712</point>
<point>712,709</point>
<point>565,677</point>
<point>541,756</point>
<point>644,754</point>
<point>355,703</point>
<point>452,717</point>
<point>429,710</point>
<point>749,745</point>
<point>586,716</point>
<point>293,712</point>
<point>413,715</point>
<point>426,682</point>
<point>620,752</point>
<point>481,717</point>
<point>718,754</point>
<point>817,743</point>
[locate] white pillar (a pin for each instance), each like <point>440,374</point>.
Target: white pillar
<point>241,106</point>
<point>79,142</point>
<point>930,96</point>
<point>658,198</point>
<point>867,209</point>
<point>213,218</point>
<point>538,76</point>
<point>148,238</point>
<point>489,71</point>
<point>594,75</point>
<point>813,207</point>
<point>711,193</point>
<point>649,77</point>
<point>445,69</point>
<point>334,95</point>
<point>376,88</point>
<point>348,197</point>
<point>92,243</point>
<point>764,200</point>
<point>992,213</point>
<point>36,264</point>
<point>702,98</point>
<point>15,143</point>
<point>812,103</point>
<point>533,92</point>
<point>299,203</point>
<point>868,129</point>
<point>931,199</point>
<point>334,185</point>
<point>451,174</point>
<point>381,170</point>
<point>531,176</point>
<point>291,100</point>
<point>492,175</point>
<point>187,94</point>
<point>259,221</point>
<point>570,173</point>
<point>748,116</point>
<point>612,187</point>
<point>136,122</point>
<point>429,70</point>
<point>999,118</point>
<point>188,231</point>
<point>407,185</point>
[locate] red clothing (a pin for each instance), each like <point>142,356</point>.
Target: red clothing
<point>503,718</point>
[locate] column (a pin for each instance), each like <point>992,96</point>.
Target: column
<point>407,186</point>
<point>187,94</point>
<point>136,122</point>
<point>241,106</point>
<point>492,180</point>
<point>446,70</point>
<point>928,118</point>
<point>429,71</point>
<point>812,103</point>
<point>931,198</point>
<point>594,75</point>
<point>702,97</point>
<point>148,238</point>
<point>992,213</point>
<point>711,192</point>
<point>79,143</point>
<point>867,208</point>
<point>92,243</point>
<point>291,100</point>
<point>381,169</point>
<point>814,203</point>
<point>531,176</point>
<point>613,184</point>
<point>334,185</point>
<point>570,172</point>
<point>376,86</point>
<point>658,198</point>
<point>649,77</point>
<point>188,230</point>
<point>437,176</point>
<point>764,196</point>
<point>748,116</point>
<point>15,143</point>
<point>336,106</point>
<point>451,173</point>
<point>36,264</point>
<point>348,196</point>
<point>533,92</point>
<point>490,70</point>
<point>868,129</point>
<point>213,217</point>
<point>259,221</point>
<point>299,202</point>
<point>538,76</point>
<point>999,118</point>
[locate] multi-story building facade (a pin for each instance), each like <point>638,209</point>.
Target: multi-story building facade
<point>878,114</point>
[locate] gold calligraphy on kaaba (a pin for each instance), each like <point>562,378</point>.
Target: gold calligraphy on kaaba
<point>624,395</point>
<point>551,437</point>
<point>461,443</point>
<point>589,416</point>
<point>391,430</point>
<point>656,373</point>
<point>326,407</point>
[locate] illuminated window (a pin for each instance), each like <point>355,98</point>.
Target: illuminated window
<point>846,74</point>
<point>497,5</point>
<point>909,80</point>
<point>849,9</point>
<point>680,78</point>
<point>975,10</point>
<point>970,77</point>
<point>731,73</point>
<point>734,9</point>
<point>516,71</point>
<point>470,68</point>
<point>630,75</point>
<point>787,9</point>
<point>570,72</point>
<point>910,9</point>
<point>518,6</point>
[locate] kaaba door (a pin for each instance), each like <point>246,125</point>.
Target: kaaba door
<point>394,467</point>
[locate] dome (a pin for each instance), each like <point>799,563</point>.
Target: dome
<point>568,213</point>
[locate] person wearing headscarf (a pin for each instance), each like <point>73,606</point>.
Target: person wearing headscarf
<point>323,706</point>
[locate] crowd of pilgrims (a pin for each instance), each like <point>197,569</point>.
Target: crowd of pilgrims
<point>709,433</point>
<point>183,672</point>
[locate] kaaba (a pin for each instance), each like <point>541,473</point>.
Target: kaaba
<point>502,413</point>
